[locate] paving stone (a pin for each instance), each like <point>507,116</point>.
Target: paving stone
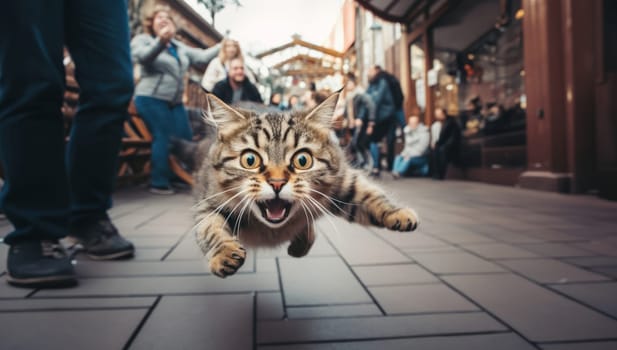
<point>321,247</point>
<point>500,251</point>
<point>593,261</point>
<point>503,341</point>
<point>556,250</point>
<point>552,235</point>
<point>153,242</point>
<point>460,236</point>
<point>607,271</point>
<point>582,346</point>
<point>537,313</point>
<point>393,274</point>
<point>551,271</point>
<point>333,311</point>
<point>101,329</point>
<point>414,240</point>
<point>331,329</point>
<point>150,254</point>
<point>57,304</point>
<point>359,246</point>
<point>265,265</point>
<point>8,291</point>
<point>310,281</point>
<point>450,263</point>
<point>597,247</point>
<point>160,231</point>
<point>187,249</point>
<point>447,249</point>
<point>155,285</point>
<point>140,268</point>
<point>430,298</point>
<point>270,306</point>
<point>205,322</point>
<point>602,296</point>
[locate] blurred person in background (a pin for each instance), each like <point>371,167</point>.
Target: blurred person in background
<point>385,118</point>
<point>447,145</point>
<point>218,68</point>
<point>158,95</point>
<point>414,157</point>
<point>236,87</point>
<point>359,111</point>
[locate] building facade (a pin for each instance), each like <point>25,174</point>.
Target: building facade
<point>533,84</point>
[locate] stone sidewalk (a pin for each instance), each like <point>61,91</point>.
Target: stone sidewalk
<point>489,268</point>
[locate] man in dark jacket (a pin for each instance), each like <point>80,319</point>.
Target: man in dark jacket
<point>236,87</point>
<point>448,144</point>
<point>384,121</point>
<point>359,110</point>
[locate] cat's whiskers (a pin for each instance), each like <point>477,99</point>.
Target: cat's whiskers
<point>236,228</point>
<point>305,209</point>
<point>327,213</point>
<point>331,200</point>
<point>218,209</point>
<point>196,206</point>
<point>230,214</point>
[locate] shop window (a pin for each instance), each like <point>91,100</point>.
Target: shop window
<point>478,72</point>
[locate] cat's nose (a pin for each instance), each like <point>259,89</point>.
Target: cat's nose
<point>277,184</point>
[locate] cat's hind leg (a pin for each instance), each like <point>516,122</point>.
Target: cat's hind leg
<point>302,243</point>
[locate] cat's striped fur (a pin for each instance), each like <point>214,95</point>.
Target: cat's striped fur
<point>278,201</point>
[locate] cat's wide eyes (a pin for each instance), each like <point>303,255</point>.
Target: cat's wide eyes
<point>250,160</point>
<point>303,160</point>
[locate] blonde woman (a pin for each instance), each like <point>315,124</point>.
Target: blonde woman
<point>158,95</point>
<point>219,67</point>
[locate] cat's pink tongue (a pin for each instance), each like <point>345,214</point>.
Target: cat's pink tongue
<point>275,209</point>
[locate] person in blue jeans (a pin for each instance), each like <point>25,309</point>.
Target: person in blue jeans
<point>414,156</point>
<point>51,189</point>
<point>158,95</point>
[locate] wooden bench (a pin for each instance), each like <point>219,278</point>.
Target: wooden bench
<point>497,159</point>
<point>134,158</point>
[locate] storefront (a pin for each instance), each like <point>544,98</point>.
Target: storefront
<point>532,83</point>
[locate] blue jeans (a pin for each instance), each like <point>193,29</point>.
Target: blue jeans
<point>403,166</point>
<point>49,183</point>
<point>164,122</point>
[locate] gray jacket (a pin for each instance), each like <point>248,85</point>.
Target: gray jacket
<point>162,75</point>
<point>416,141</point>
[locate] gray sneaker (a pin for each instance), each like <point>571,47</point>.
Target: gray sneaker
<point>101,241</point>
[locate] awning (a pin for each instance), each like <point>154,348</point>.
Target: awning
<point>401,11</point>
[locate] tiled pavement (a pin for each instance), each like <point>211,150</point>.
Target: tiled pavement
<point>490,268</point>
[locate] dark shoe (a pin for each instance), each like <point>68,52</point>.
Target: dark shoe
<point>101,241</point>
<point>374,173</point>
<point>161,190</point>
<point>39,264</point>
<point>396,175</point>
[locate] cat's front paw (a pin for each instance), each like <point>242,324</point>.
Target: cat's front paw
<point>403,219</point>
<point>228,259</point>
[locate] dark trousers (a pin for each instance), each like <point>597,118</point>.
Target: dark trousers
<point>165,122</point>
<point>440,162</point>
<point>387,129</point>
<point>48,183</point>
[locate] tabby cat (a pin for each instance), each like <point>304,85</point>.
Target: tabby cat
<point>268,176</point>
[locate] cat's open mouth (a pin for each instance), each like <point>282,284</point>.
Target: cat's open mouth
<point>274,210</point>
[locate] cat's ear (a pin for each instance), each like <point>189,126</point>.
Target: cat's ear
<point>323,113</point>
<point>226,119</point>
